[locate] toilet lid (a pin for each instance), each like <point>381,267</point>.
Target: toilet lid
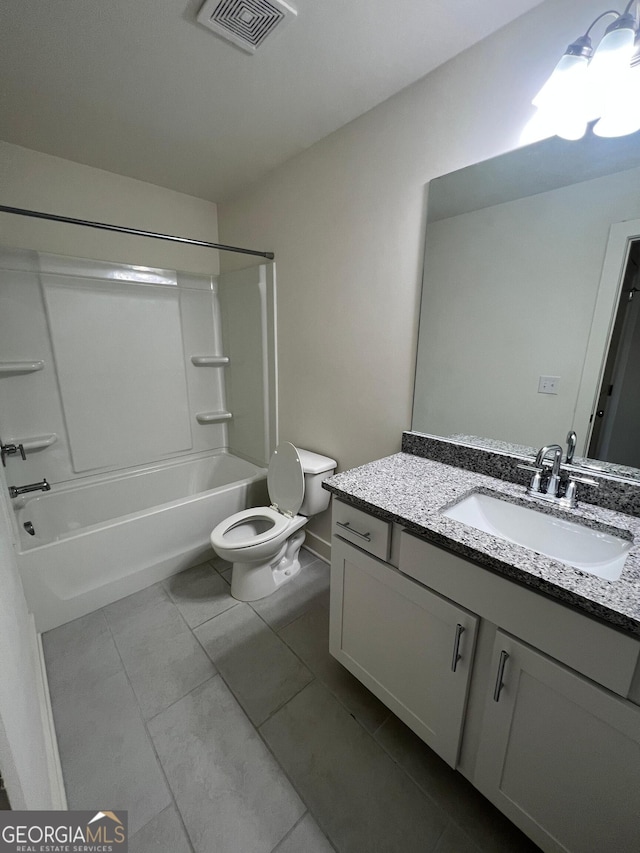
<point>285,479</point>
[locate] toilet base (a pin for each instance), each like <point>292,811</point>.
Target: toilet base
<point>252,581</point>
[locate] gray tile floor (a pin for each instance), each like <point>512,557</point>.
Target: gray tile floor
<point>228,728</point>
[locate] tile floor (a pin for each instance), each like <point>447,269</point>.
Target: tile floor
<point>228,728</point>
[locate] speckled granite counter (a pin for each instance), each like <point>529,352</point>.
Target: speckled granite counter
<point>500,460</point>
<point>412,491</point>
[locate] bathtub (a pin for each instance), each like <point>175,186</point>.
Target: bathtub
<point>109,537</point>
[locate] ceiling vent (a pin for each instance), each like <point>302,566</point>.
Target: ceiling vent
<point>245,23</point>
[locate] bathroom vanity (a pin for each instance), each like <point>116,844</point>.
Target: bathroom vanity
<point>521,672</point>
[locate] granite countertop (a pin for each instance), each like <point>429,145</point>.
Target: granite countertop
<point>412,491</point>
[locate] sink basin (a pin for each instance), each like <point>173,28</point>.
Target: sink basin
<point>575,545</point>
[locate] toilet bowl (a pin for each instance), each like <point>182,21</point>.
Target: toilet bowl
<point>263,543</point>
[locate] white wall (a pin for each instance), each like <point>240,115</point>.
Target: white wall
<point>29,179</point>
<point>346,221</point>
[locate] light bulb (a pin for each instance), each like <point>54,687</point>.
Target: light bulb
<point>610,64</point>
<point>621,110</point>
<point>585,86</point>
<point>538,127</point>
<point>568,75</point>
<point>614,51</point>
<point>571,127</point>
<point>562,101</point>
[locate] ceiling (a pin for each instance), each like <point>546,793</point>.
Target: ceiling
<point>139,88</point>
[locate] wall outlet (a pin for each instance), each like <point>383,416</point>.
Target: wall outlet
<point>548,384</point>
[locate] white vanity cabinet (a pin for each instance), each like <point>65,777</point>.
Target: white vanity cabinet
<point>537,713</point>
<point>559,755</point>
<point>412,648</point>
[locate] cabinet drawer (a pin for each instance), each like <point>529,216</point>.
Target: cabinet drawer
<point>361,529</point>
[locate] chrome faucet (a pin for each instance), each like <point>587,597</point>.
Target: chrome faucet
<point>15,491</point>
<point>551,491</point>
<point>572,440</point>
<point>554,480</point>
<point>535,486</point>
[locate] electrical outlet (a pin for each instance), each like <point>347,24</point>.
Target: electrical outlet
<point>548,384</point>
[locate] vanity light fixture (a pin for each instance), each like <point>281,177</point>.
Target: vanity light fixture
<point>601,85</point>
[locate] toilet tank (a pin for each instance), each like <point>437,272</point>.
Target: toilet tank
<point>316,469</point>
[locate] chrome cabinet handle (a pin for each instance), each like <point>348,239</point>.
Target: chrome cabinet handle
<point>504,656</point>
<point>456,647</point>
<point>345,525</point>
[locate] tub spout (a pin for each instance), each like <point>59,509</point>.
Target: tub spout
<point>15,491</point>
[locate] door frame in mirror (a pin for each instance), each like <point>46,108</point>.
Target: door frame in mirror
<point>621,236</point>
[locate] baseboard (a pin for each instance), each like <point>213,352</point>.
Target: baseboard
<point>56,781</point>
<point>318,546</point>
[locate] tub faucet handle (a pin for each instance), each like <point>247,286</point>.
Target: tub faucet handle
<point>11,450</point>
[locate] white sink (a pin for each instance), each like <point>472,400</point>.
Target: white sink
<point>583,548</point>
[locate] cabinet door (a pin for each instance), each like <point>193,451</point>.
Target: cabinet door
<point>559,755</point>
<point>409,646</point>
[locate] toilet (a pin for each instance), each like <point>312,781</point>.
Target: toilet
<point>263,543</point>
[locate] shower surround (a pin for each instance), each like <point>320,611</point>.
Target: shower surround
<point>146,398</point>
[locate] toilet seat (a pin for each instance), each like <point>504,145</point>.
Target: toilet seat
<point>285,483</point>
<point>278,524</point>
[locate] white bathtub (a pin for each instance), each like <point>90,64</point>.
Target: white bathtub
<point>97,542</point>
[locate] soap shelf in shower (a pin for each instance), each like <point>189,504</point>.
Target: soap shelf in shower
<point>209,360</point>
<point>35,442</point>
<point>11,368</point>
<point>213,417</point>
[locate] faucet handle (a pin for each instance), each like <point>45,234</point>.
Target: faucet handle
<point>588,481</point>
<point>536,480</point>
<point>570,493</point>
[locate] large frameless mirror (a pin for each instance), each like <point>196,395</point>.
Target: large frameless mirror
<point>528,318</point>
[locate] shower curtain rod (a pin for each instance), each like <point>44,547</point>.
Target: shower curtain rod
<point>121,229</point>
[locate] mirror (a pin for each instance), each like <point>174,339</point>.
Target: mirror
<point>526,258</point>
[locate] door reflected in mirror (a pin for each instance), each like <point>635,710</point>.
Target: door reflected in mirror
<point>616,420</point>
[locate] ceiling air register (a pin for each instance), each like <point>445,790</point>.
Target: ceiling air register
<point>245,23</point>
